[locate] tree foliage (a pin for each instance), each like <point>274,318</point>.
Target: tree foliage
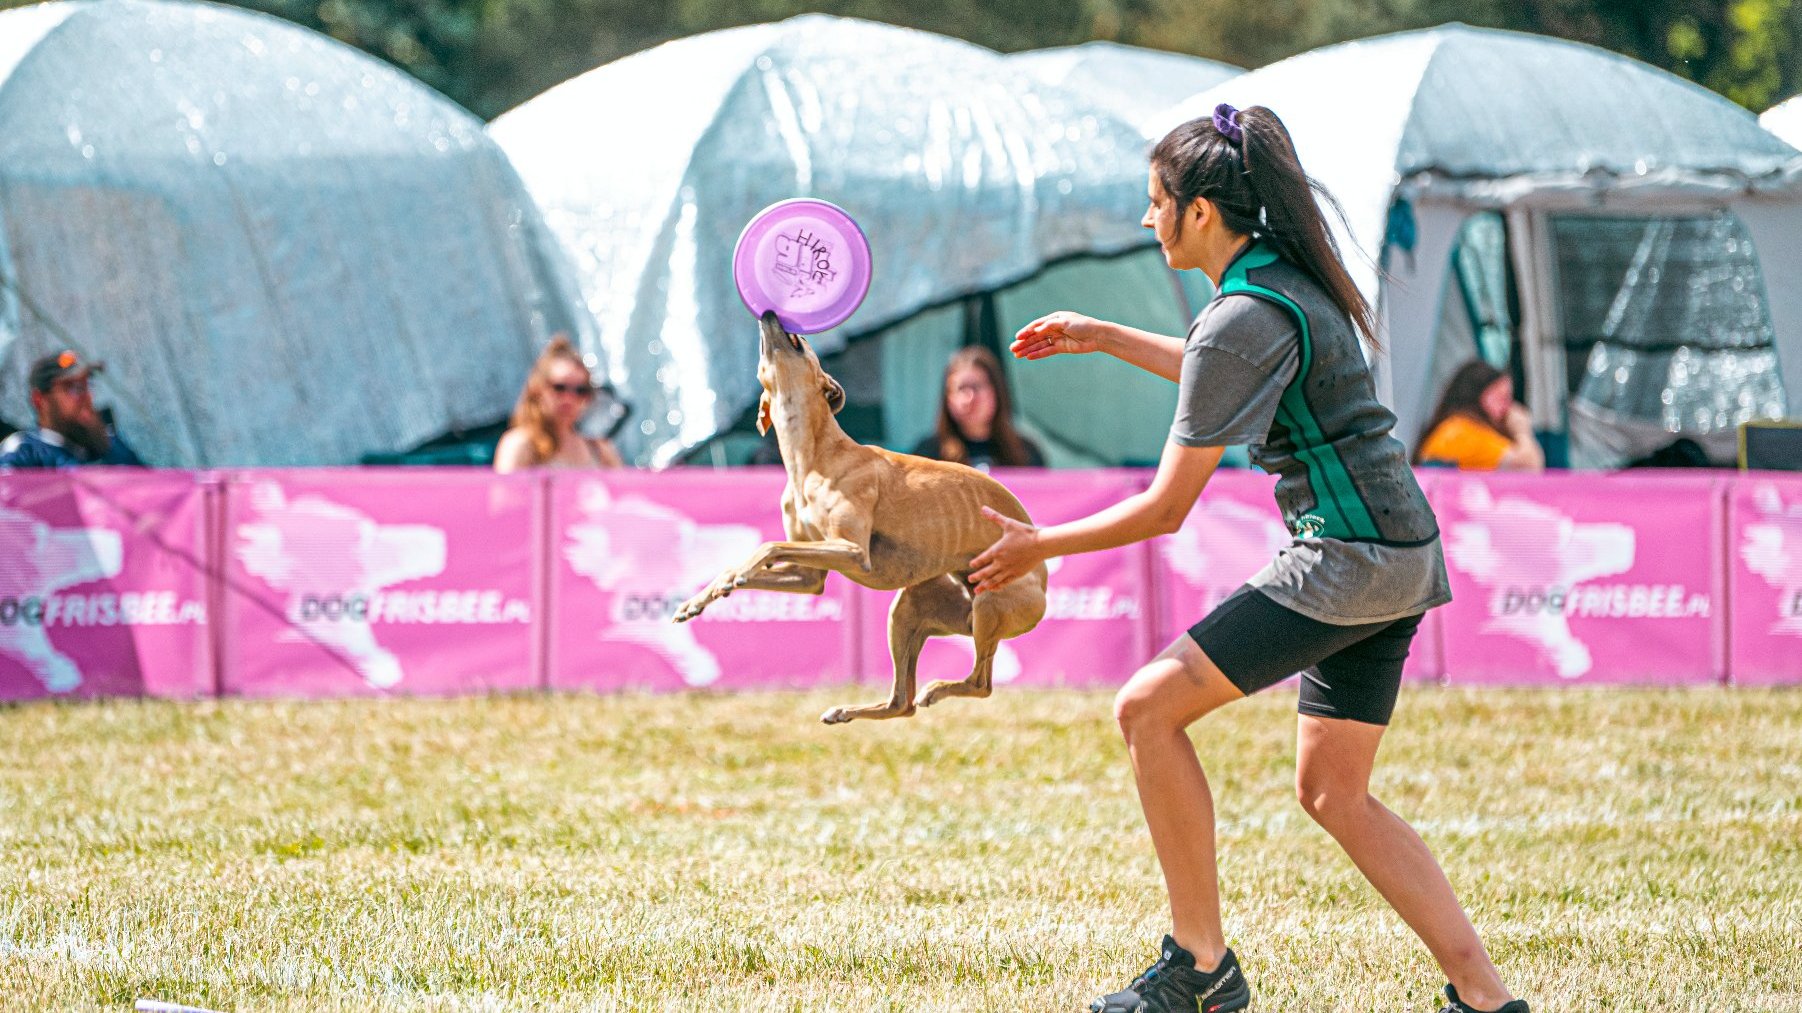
<point>490,55</point>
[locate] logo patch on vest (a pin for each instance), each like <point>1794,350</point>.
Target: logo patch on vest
<point>1308,526</point>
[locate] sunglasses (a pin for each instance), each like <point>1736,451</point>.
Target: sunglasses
<point>581,390</point>
<point>75,387</point>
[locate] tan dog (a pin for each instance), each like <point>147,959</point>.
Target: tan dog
<point>886,521</point>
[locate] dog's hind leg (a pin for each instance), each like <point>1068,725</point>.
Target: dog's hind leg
<point>935,608</point>
<point>994,616</point>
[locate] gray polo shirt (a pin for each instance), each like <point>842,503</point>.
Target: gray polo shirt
<point>1242,354</point>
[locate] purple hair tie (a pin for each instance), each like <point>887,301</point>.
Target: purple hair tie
<point>1226,120</point>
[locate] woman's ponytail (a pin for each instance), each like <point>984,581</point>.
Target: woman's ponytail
<point>1245,163</point>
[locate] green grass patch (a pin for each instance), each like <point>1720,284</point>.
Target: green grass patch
<point>1624,850</point>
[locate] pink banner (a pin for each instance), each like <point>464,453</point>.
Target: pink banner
<point>629,547</point>
<point>1097,610</point>
<point>1572,578</point>
<point>1764,566</point>
<point>103,584</point>
<point>1233,532</point>
<point>441,581</point>
<point>343,583</point>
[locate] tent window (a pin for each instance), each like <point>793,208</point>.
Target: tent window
<point>1665,321</point>
<point>1480,264</point>
<point>1476,316</point>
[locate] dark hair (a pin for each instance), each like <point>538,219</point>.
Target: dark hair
<point>1463,396</point>
<point>1010,450</point>
<point>1258,186</point>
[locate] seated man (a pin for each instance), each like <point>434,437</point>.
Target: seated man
<point>70,432</point>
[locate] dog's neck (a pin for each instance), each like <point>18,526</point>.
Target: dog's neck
<point>805,432</point>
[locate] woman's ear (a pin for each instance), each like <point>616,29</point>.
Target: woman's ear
<point>1201,211</point>
<point>763,414</point>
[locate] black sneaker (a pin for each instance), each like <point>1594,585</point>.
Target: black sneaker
<point>1457,1005</point>
<point>1173,985</point>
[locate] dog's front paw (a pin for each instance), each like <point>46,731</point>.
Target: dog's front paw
<point>693,607</point>
<point>720,588</point>
<point>835,716</point>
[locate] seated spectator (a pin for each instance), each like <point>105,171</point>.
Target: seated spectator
<point>559,392</point>
<point>70,431</point>
<point>976,424</point>
<point>1478,425</point>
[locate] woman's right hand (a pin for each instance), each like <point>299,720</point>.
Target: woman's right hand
<point>1518,422</point>
<point>1060,333</point>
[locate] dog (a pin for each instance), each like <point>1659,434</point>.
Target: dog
<point>887,521</point>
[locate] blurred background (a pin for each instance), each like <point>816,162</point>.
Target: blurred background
<point>359,220</point>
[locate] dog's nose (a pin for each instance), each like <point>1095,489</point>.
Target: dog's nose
<point>773,330</point>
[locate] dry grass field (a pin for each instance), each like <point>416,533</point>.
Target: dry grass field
<point>1627,850</point>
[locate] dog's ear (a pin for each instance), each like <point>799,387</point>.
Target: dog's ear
<point>835,396</point>
<point>763,414</point>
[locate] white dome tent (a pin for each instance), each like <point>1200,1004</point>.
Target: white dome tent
<point>1785,120</point>
<point>967,176</point>
<point>1615,234</point>
<point>286,251</point>
<point>1134,82</point>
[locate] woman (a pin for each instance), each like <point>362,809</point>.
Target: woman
<point>976,420</point>
<point>1478,425</point>
<point>558,392</point>
<point>1272,361</point>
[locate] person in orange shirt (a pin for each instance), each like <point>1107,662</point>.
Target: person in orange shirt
<point>1478,425</point>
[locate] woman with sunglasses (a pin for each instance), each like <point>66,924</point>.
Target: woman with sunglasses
<point>558,393</point>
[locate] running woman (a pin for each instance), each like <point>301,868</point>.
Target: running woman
<point>1274,362</point>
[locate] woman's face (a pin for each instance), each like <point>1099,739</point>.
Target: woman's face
<point>1497,398</point>
<point>970,398</point>
<point>1162,217</point>
<point>567,392</point>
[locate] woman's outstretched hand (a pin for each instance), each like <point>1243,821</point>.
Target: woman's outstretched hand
<point>1012,556</point>
<point>1060,333</point>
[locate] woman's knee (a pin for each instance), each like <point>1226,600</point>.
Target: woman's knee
<point>1331,800</point>
<point>1139,708</point>
<point>1172,691</point>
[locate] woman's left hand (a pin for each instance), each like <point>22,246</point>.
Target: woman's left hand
<point>1012,556</point>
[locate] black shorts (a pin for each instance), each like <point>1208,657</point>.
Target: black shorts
<point>1349,672</point>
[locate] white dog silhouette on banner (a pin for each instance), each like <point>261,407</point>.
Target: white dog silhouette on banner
<point>1773,550</point>
<point>1519,551</point>
<point>317,550</point>
<point>36,561</point>
<point>645,555</point>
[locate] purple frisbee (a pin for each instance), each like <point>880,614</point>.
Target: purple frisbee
<point>807,260</point>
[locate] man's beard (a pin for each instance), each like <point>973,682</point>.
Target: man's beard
<point>89,434</point>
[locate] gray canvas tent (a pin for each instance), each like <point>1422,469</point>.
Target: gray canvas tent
<point>1135,82</point>
<point>973,182</point>
<point>1621,238</point>
<point>286,251</point>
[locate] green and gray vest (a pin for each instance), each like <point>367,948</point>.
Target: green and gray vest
<point>1340,474</point>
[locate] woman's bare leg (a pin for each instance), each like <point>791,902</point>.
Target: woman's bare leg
<point>1334,758</point>
<point>1154,708</point>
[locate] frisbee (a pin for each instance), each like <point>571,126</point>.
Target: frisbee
<point>807,260</point>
